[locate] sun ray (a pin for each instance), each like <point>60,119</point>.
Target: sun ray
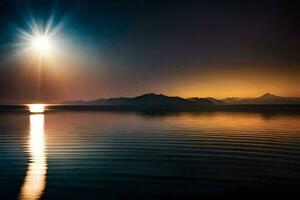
<point>39,38</point>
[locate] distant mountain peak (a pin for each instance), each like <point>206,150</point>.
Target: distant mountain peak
<point>268,95</point>
<point>150,95</point>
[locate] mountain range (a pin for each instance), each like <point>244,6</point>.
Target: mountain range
<point>152,99</point>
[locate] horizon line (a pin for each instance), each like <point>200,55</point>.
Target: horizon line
<point>149,93</point>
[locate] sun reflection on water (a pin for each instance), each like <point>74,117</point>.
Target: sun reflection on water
<point>35,179</point>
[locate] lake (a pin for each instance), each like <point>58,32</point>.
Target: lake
<point>140,155</point>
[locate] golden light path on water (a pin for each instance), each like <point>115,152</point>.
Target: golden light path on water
<point>35,179</point>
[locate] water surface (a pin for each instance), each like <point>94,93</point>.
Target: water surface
<point>114,155</point>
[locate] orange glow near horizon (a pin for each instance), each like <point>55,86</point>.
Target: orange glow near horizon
<point>233,82</point>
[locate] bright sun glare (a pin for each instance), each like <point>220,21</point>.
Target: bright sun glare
<point>36,108</point>
<point>42,44</point>
<point>39,37</point>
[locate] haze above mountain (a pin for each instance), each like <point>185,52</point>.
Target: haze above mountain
<point>152,99</point>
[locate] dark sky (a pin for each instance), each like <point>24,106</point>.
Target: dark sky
<point>127,48</point>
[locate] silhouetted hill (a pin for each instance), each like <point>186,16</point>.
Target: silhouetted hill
<point>265,99</point>
<point>206,101</point>
<point>152,99</point>
<point>271,99</point>
<point>268,96</point>
<point>143,100</point>
<point>215,101</point>
<point>232,100</point>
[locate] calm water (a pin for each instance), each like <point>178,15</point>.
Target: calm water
<point>111,155</point>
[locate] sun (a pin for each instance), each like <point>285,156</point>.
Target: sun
<point>42,44</point>
<point>36,108</point>
<point>38,38</point>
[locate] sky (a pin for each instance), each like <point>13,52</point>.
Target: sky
<point>128,48</point>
